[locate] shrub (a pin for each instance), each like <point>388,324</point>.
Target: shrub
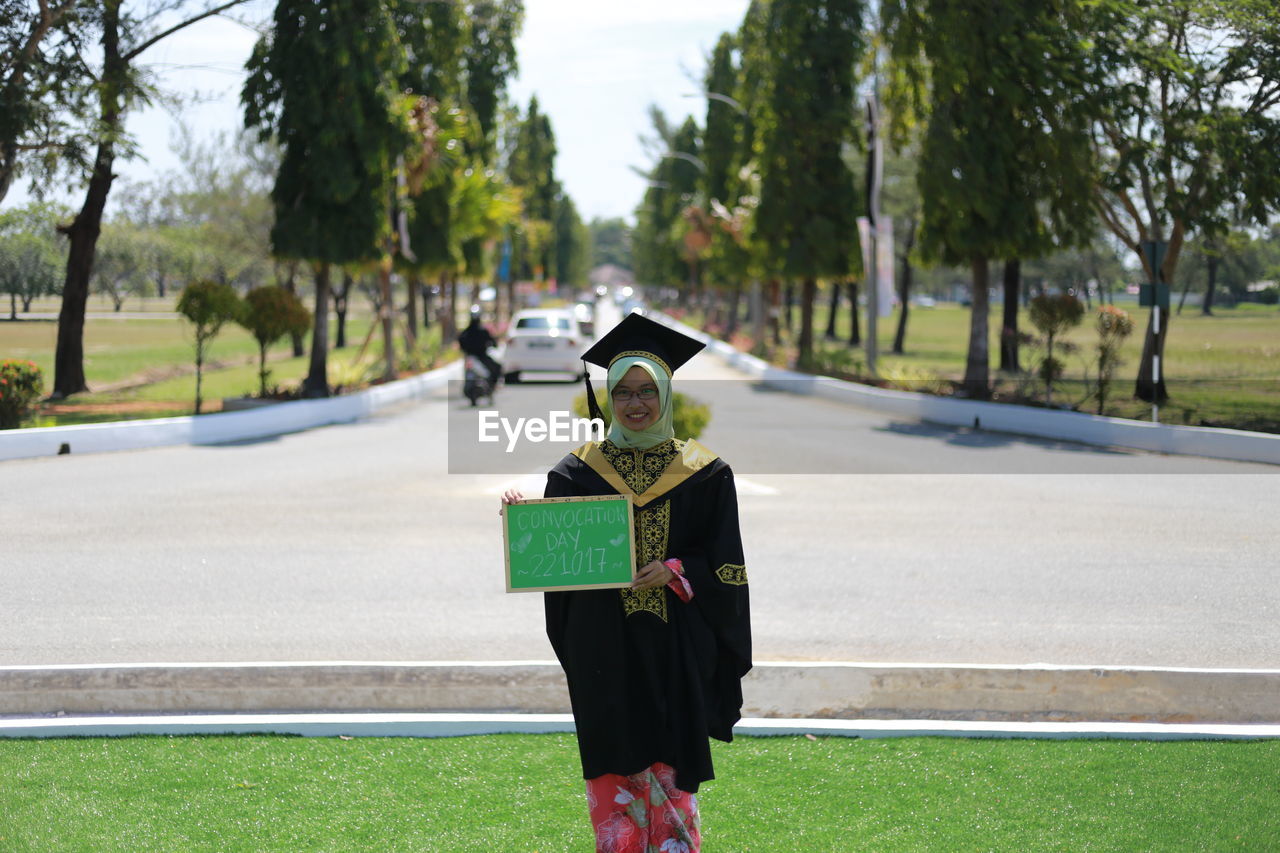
<point>1053,314</point>
<point>690,417</point>
<point>208,305</point>
<point>21,384</point>
<point>1113,325</point>
<point>269,314</point>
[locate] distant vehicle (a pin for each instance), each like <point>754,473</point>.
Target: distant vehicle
<point>585,314</point>
<point>923,301</point>
<point>549,340</point>
<point>476,383</point>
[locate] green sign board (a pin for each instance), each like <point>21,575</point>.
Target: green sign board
<point>1150,295</point>
<point>569,543</point>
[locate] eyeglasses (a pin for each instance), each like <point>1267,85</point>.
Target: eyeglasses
<point>622,395</point>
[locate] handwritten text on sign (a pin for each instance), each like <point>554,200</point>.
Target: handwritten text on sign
<point>569,543</point>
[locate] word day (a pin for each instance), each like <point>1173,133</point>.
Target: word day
<point>561,426</point>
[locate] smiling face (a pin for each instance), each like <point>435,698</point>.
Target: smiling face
<point>635,400</point>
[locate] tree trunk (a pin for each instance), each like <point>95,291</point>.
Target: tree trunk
<point>425,289</point>
<point>1009,322</point>
<point>788,299</point>
<point>808,293</point>
<point>262,371</point>
<point>200,341</point>
<point>388,315</point>
<point>289,283</point>
<point>904,294</point>
<point>775,311</point>
<point>735,300</point>
<point>411,316</point>
<point>13,306</point>
<point>977,364</point>
<point>1206,308</point>
<point>341,299</point>
<point>855,333</point>
<point>317,382</point>
<point>834,307</point>
<point>448,324</point>
<point>68,373</point>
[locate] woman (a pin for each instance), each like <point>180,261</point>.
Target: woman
<point>656,668</point>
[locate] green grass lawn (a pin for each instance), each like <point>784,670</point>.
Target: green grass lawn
<point>1221,370</point>
<point>144,354</point>
<point>523,794</point>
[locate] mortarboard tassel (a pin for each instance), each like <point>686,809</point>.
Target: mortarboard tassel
<point>593,408</point>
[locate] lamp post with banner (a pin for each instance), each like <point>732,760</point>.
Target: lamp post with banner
<point>1155,295</point>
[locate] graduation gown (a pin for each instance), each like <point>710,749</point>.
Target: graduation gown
<point>651,677</point>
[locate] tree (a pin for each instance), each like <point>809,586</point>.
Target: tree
<point>1053,314</point>
<point>120,264</point>
<point>1186,128</point>
<point>489,58</point>
<point>323,83</point>
<point>114,87</point>
<point>30,252</point>
<point>269,314</point>
<point>44,101</point>
<point>531,169</point>
<point>610,242</point>
<point>1004,167</point>
<point>209,306</point>
<point>807,195</point>
<point>571,244</point>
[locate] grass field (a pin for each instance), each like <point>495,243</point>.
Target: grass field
<point>519,794</point>
<point>145,367</point>
<point>1222,370</point>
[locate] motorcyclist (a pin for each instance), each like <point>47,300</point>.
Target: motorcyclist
<point>475,340</point>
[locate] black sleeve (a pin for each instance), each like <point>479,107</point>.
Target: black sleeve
<point>716,570</point>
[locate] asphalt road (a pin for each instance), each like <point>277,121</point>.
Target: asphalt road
<point>867,538</point>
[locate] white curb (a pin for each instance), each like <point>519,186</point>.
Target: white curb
<point>459,725</point>
<point>219,428</point>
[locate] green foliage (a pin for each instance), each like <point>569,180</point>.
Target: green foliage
<point>1054,314</point>
<point>208,305</point>
<point>120,264</point>
<point>531,169</point>
<point>808,204</point>
<point>490,60</point>
<point>21,384</point>
<point>610,242</point>
<point>30,266</point>
<point>47,115</point>
<point>571,245</point>
<point>674,184</point>
<point>270,313</point>
<point>689,418</point>
<point>1113,326</point>
<point>323,81</point>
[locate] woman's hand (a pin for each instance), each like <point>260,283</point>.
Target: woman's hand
<point>511,496</point>
<point>653,575</point>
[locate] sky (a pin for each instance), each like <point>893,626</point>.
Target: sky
<point>595,66</point>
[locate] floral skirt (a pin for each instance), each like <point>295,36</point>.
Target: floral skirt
<point>643,813</point>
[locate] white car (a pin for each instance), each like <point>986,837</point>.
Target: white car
<point>544,341</point>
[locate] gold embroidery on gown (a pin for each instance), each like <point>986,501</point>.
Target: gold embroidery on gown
<point>640,469</point>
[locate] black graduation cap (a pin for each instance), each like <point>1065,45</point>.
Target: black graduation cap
<point>638,335</point>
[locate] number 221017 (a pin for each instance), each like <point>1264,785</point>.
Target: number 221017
<point>589,560</point>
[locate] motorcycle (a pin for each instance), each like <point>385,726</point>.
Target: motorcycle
<point>475,380</point>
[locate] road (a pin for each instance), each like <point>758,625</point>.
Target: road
<point>867,538</point>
